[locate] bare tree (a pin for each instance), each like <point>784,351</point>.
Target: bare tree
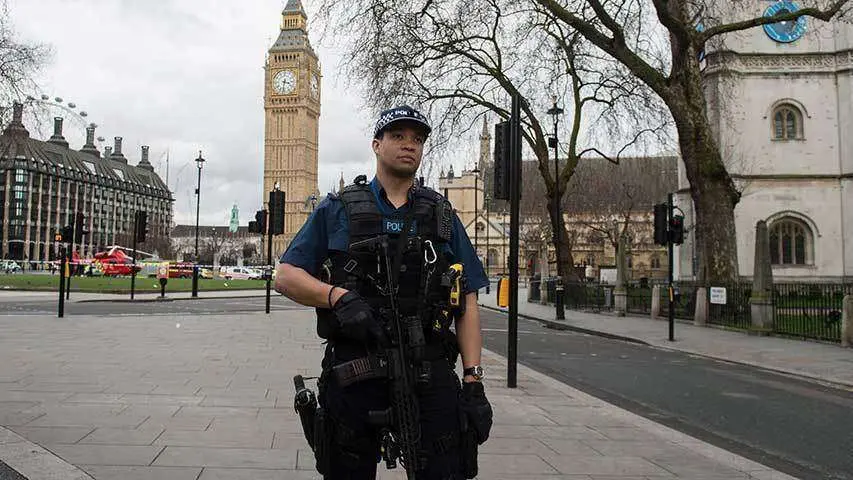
<point>20,62</point>
<point>462,59</point>
<point>611,26</point>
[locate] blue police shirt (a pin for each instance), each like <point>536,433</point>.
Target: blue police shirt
<point>327,229</point>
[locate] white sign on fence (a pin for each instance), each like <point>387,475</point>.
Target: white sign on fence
<point>718,295</point>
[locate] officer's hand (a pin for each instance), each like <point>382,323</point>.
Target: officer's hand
<point>476,409</point>
<point>356,320</point>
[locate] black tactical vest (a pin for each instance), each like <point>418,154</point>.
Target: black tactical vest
<point>373,243</point>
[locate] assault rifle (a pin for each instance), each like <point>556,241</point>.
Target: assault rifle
<point>401,434</point>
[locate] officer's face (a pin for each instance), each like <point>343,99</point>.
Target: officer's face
<point>400,150</point>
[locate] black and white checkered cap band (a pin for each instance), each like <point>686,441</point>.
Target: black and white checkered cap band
<point>399,114</point>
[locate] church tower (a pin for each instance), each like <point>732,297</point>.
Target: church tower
<point>779,102</point>
<point>485,150</point>
<point>291,120</point>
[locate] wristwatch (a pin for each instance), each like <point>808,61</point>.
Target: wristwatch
<point>476,371</point>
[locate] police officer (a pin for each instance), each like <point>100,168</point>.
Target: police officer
<point>333,264</point>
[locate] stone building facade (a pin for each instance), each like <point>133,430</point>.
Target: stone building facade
<point>43,184</point>
<point>291,120</point>
<point>780,99</point>
<point>218,245</point>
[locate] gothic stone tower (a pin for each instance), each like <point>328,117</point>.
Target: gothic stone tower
<point>291,118</point>
<point>780,99</point>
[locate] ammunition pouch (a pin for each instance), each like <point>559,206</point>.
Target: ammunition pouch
<point>371,367</point>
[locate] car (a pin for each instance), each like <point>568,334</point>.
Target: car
<point>9,266</point>
<point>205,273</point>
<point>240,273</point>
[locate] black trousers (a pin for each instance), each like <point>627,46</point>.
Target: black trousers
<point>355,451</point>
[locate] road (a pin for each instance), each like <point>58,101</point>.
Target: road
<point>798,427</point>
<point>794,426</point>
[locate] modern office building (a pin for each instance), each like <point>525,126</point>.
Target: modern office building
<point>43,184</point>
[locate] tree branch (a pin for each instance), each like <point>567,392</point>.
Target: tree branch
<point>825,15</point>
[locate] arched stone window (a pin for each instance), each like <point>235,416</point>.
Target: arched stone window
<point>655,262</point>
<point>629,261</point>
<point>791,242</point>
<point>787,122</point>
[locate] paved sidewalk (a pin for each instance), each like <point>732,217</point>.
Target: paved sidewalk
<point>818,361</point>
<point>211,398</point>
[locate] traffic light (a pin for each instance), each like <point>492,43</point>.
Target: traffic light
<point>276,225</point>
<point>140,226</point>
<point>253,226</point>
<point>676,230</point>
<point>661,235</point>
<point>260,222</point>
<point>502,163</point>
<point>79,219</point>
<point>67,233</point>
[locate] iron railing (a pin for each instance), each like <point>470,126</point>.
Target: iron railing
<point>810,310</point>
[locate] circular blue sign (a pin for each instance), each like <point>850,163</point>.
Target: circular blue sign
<point>784,32</point>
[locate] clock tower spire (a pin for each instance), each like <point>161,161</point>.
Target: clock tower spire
<point>291,119</point>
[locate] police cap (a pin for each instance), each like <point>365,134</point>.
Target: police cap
<point>400,114</point>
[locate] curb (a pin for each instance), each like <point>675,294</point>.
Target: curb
<point>30,461</point>
<point>799,375</point>
<point>166,299</point>
<point>556,325</point>
<point>662,432</point>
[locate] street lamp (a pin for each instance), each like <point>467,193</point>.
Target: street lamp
<point>199,162</point>
<point>476,173</point>
<point>555,112</point>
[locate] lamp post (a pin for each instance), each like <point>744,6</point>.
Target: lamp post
<point>487,230</point>
<point>199,162</point>
<point>476,173</point>
<point>555,112</point>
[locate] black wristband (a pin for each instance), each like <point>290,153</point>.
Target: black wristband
<point>330,296</point>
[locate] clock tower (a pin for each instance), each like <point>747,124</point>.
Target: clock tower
<point>780,102</point>
<point>291,120</point>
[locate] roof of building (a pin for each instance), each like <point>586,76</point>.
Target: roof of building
<point>19,150</point>
<point>599,185</point>
<point>294,6</point>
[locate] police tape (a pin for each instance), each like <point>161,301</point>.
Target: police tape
<point>23,264</point>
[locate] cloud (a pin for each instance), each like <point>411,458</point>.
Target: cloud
<point>183,76</point>
<point>187,75</point>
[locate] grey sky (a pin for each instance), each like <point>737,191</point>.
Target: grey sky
<point>183,76</point>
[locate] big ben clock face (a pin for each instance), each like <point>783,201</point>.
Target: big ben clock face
<point>284,82</point>
<point>784,32</point>
<point>315,85</point>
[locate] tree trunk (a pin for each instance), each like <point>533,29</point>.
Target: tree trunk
<point>714,199</point>
<point>711,187</point>
<point>563,245</point>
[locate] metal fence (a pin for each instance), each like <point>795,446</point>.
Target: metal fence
<point>809,310</point>
<point>683,298</point>
<point>639,298</point>
<point>576,295</point>
<point>736,312</point>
